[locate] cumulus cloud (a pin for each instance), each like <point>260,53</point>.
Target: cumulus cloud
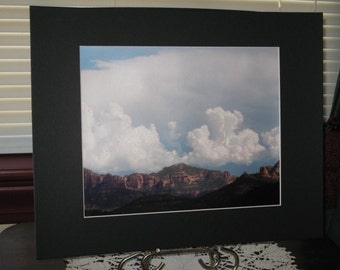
<point>220,141</point>
<point>271,139</point>
<point>196,105</point>
<point>111,143</point>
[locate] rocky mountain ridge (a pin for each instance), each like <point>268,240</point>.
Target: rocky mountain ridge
<point>107,192</point>
<point>169,178</point>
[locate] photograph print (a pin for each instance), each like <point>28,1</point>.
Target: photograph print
<point>168,129</point>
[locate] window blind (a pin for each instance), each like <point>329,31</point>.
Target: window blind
<point>15,82</point>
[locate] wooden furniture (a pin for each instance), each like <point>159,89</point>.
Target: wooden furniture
<point>16,188</point>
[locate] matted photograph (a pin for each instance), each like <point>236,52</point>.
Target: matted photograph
<point>172,128</point>
<point>179,128</point>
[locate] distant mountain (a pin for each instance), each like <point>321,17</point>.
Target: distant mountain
<point>178,187</point>
<point>184,172</point>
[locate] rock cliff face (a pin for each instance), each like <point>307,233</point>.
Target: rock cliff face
<point>180,182</point>
<point>271,172</point>
<point>169,179</point>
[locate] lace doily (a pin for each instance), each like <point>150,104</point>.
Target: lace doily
<point>258,256</point>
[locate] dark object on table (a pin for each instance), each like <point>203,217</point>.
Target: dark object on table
<point>314,253</point>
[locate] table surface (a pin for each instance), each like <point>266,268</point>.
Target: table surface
<point>17,251</point>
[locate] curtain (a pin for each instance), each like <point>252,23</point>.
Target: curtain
<point>332,168</point>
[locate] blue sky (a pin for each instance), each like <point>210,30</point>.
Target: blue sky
<point>145,108</point>
<point>91,54</point>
